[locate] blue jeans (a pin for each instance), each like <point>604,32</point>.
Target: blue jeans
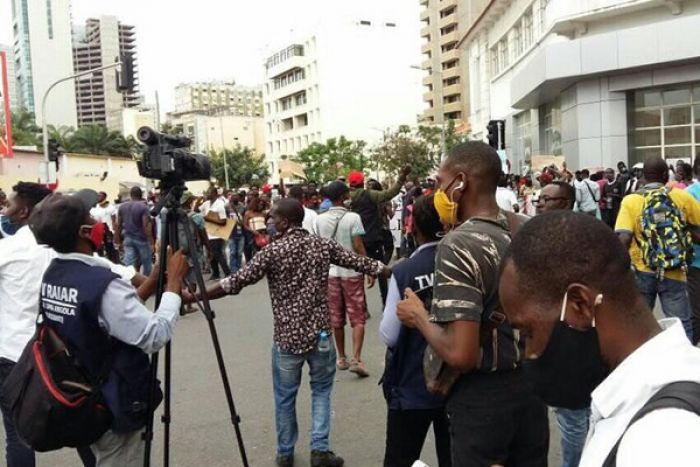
<point>138,252</point>
<point>286,379</point>
<point>235,246</point>
<point>673,295</point>
<point>573,426</point>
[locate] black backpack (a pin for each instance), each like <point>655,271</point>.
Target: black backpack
<point>53,402</point>
<point>683,395</point>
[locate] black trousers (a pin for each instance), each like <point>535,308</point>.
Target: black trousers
<point>218,247</point>
<point>375,250</point>
<point>496,419</point>
<point>406,431</point>
<point>694,296</point>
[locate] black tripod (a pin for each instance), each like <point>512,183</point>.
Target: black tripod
<point>177,233</point>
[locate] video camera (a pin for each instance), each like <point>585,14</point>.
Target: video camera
<point>166,158</point>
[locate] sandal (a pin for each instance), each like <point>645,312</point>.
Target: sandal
<point>359,368</point>
<point>342,364</point>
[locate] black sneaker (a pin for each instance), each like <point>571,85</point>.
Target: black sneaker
<point>285,461</point>
<point>326,459</point>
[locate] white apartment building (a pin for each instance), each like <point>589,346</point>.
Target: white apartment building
<point>599,81</point>
<point>43,55</point>
<point>11,79</point>
<point>350,76</point>
<point>214,132</point>
<point>136,117</point>
<point>216,96</point>
<point>99,102</point>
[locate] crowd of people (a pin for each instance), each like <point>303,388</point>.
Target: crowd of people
<point>503,297</point>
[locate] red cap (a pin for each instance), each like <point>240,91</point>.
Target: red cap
<point>266,188</point>
<point>356,178</point>
<point>546,178</point>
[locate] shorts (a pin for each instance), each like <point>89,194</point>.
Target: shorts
<point>346,295</point>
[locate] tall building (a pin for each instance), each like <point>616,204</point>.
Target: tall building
<point>11,75</point>
<point>214,132</point>
<point>444,22</point>
<point>215,96</point>
<point>101,42</point>
<point>597,82</point>
<point>42,32</point>
<point>350,76</point>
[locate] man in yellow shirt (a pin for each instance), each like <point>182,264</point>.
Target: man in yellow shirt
<point>671,286</point>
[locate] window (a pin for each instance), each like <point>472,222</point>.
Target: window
<point>517,41</point>
<point>49,18</point>
<point>390,25</point>
<point>523,136</point>
<point>550,126</point>
<point>665,123</point>
<point>527,28</point>
<point>365,23</point>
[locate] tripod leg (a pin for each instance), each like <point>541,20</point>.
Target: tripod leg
<point>209,314</point>
<point>160,287</point>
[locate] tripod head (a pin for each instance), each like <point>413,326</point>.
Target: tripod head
<point>170,193</point>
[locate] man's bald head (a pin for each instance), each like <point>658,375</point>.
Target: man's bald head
<point>655,170</point>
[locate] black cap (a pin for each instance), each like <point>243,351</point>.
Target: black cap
<point>335,190</point>
<point>57,220</point>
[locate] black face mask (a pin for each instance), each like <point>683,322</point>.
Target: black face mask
<point>570,367</point>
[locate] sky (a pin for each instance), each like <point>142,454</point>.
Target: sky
<point>213,39</point>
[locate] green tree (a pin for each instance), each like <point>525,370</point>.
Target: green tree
<point>433,137</point>
<point>325,162</point>
<point>243,166</point>
<point>406,146</point>
<point>25,131</point>
<point>97,139</point>
<point>64,136</point>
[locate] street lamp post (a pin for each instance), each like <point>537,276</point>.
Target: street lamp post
<point>44,170</point>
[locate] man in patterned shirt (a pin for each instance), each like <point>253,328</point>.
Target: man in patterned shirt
<point>296,265</point>
<point>495,417</point>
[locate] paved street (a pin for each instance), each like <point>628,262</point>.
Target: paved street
<point>201,431</point>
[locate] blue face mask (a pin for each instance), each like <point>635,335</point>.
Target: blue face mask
<point>7,227</point>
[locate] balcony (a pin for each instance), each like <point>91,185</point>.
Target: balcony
<point>289,89</point>
<point>427,79</point>
<point>450,73</point>
<point>291,63</point>
<point>426,64</point>
<point>424,2</point>
<point>428,96</point>
<point>425,15</point>
<point>452,107</point>
<point>426,47</point>
<point>452,90</point>
<point>449,55</point>
<point>449,38</point>
<point>445,4</point>
<point>448,20</point>
<point>425,31</point>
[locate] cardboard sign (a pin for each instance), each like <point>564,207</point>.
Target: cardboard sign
<point>540,162</point>
<point>221,231</point>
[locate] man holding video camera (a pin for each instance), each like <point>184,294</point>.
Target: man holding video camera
<point>108,324</point>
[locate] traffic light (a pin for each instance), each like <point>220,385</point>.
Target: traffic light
<point>497,134</point>
<point>54,152</point>
<point>125,75</point>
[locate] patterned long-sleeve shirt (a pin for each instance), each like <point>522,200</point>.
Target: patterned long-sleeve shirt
<point>296,265</point>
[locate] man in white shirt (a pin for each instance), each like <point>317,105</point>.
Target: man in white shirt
<point>214,211</point>
<point>104,211</point>
<point>346,289</point>
<point>310,215</point>
<point>587,193</point>
<point>575,298</point>
<point>505,198</point>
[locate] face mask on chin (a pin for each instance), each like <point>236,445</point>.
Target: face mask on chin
<point>570,367</point>
<point>7,227</point>
<point>446,206</point>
